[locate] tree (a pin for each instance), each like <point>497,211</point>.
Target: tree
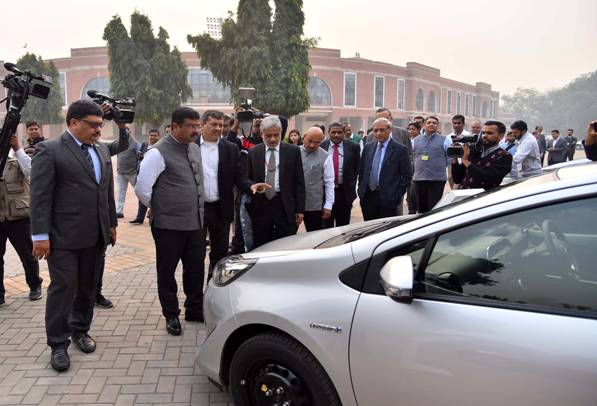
<point>253,53</point>
<point>144,67</point>
<point>572,106</point>
<point>43,111</point>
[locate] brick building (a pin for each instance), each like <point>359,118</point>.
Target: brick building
<point>345,89</point>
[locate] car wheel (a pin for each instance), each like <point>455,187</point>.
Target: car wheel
<point>273,369</point>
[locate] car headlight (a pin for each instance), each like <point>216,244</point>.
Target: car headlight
<point>230,268</point>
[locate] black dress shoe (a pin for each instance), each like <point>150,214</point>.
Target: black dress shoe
<point>136,221</point>
<point>173,326</point>
<point>101,301</point>
<point>60,360</point>
<point>35,293</point>
<point>120,215</point>
<point>84,342</point>
<point>2,300</point>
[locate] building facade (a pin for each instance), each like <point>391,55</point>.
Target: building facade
<point>340,89</point>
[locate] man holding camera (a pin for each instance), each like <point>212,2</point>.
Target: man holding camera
<point>14,218</point>
<point>487,165</point>
<point>73,217</point>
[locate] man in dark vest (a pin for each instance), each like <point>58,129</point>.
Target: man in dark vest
<point>14,218</point>
<point>170,183</point>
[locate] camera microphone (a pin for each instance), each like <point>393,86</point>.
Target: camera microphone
<point>94,94</point>
<point>9,66</point>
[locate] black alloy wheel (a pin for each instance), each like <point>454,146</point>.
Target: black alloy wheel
<point>272,369</point>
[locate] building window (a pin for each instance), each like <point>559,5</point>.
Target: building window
<point>484,110</point>
<point>319,92</point>
<point>350,89</point>
<point>467,102</point>
<point>458,102</point>
<point>100,84</point>
<point>63,88</point>
<point>206,89</point>
<point>475,109</point>
<point>401,94</point>
<point>378,91</point>
<point>431,102</point>
<point>420,100</point>
<point>449,102</point>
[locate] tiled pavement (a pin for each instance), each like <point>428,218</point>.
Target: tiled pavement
<point>136,362</point>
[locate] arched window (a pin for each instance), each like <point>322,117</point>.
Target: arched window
<point>205,89</point>
<point>420,100</point>
<point>100,84</point>
<point>319,92</point>
<point>484,110</point>
<point>431,102</point>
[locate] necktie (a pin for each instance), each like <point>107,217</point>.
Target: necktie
<point>336,162</point>
<point>374,175</point>
<point>85,148</point>
<point>270,176</point>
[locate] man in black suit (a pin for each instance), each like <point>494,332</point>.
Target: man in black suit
<point>279,211</point>
<point>222,170</point>
<point>73,216</point>
<point>384,174</point>
<point>345,157</point>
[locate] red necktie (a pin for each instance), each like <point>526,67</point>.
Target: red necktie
<point>336,161</point>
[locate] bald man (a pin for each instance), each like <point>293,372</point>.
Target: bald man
<point>319,180</point>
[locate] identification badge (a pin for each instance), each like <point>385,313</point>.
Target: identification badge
<point>424,157</point>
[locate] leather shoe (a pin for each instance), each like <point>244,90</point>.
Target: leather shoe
<point>35,293</point>
<point>136,221</point>
<point>84,342</point>
<point>2,300</point>
<point>173,326</point>
<point>119,215</point>
<point>60,360</point>
<point>101,301</point>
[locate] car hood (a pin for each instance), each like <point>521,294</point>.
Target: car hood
<point>313,239</point>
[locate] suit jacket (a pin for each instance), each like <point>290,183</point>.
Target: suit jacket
<point>292,178</point>
<point>66,200</point>
<point>394,176</point>
<point>559,155</point>
<point>230,173</point>
<point>350,169</point>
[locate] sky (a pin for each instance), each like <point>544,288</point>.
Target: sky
<point>540,44</point>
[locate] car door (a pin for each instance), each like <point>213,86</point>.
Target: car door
<point>504,312</point>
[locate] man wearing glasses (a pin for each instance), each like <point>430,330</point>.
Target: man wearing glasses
<point>73,217</point>
<point>170,182</point>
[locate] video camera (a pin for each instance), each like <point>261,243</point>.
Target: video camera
<point>247,112</point>
<point>458,141</point>
<point>121,110</point>
<point>19,85</point>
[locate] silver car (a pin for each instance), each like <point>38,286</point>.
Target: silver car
<point>491,300</point>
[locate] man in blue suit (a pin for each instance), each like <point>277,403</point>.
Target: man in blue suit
<point>384,173</point>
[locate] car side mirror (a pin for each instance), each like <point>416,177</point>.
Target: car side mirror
<point>397,279</point>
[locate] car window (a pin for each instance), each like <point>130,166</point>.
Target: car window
<point>543,257</point>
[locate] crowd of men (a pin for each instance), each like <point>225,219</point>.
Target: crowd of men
<point>57,199</point>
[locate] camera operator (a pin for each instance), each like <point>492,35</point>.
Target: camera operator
<point>34,136</point>
<point>14,218</point>
<point>485,167</point>
<point>590,143</point>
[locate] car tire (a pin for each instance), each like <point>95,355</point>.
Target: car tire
<point>269,361</point>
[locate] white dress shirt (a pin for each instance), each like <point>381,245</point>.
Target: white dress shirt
<point>210,159</point>
<point>151,167</point>
<point>277,174</point>
<point>328,182</point>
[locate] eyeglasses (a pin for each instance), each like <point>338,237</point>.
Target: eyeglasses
<point>380,130</point>
<point>93,124</point>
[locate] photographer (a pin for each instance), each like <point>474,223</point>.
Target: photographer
<point>590,142</point>
<point>14,218</point>
<point>487,165</point>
